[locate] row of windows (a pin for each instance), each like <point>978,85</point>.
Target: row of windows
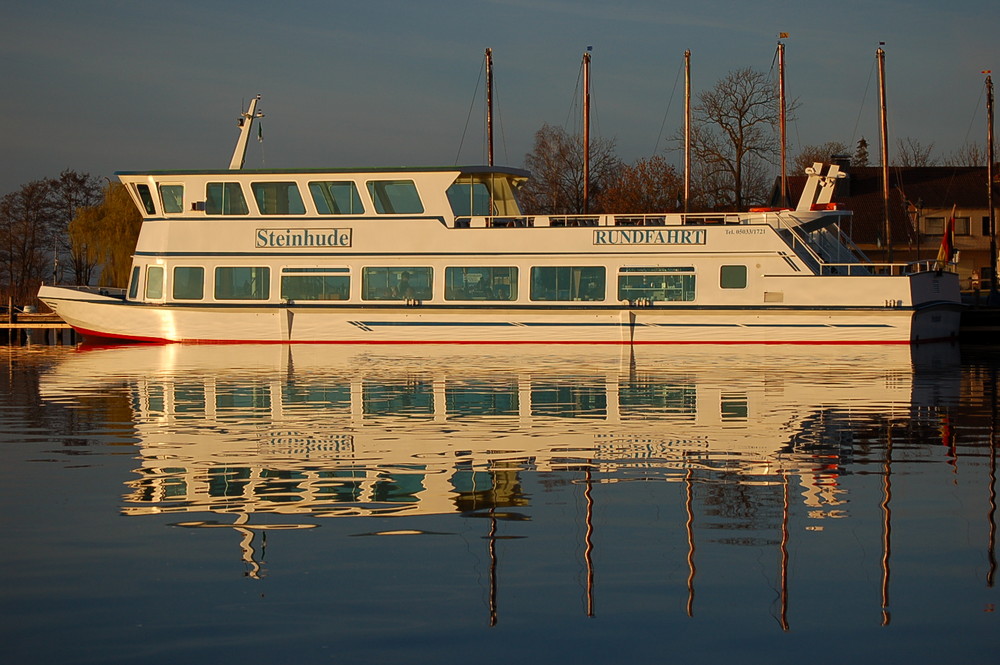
<point>283,198</point>
<point>390,197</point>
<point>963,226</point>
<point>547,283</point>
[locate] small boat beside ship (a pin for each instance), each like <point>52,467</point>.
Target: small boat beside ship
<point>446,255</point>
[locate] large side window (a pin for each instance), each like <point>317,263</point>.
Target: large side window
<point>336,198</point>
<point>242,283</point>
<point>395,197</point>
<point>733,277</point>
<point>154,282</point>
<point>172,198</point>
<point>189,283</point>
<point>396,283</point>
<point>315,284</point>
<point>133,286</point>
<point>470,198</point>
<point>568,283</point>
<point>225,198</point>
<point>278,198</point>
<point>146,198</point>
<point>479,283</point>
<point>656,283</point>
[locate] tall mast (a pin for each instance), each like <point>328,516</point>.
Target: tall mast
<point>245,123</point>
<point>586,131</point>
<point>489,105</point>
<point>687,131</point>
<point>989,188</point>
<point>781,122</point>
<point>885,151</point>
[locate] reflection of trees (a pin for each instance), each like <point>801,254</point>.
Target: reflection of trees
<point>737,505</point>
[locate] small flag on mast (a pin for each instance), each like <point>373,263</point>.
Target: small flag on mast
<point>782,35</point>
<point>260,132</point>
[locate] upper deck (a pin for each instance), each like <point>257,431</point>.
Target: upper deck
<point>445,193</point>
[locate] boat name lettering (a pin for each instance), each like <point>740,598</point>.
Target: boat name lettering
<point>650,237</point>
<point>744,232</point>
<point>270,238</point>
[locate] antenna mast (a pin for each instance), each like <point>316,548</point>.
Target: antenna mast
<point>245,123</point>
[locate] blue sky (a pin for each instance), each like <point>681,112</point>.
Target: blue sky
<point>101,86</point>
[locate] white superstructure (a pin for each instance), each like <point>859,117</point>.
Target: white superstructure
<point>445,255</point>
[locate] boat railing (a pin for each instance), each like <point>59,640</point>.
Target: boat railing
<point>108,291</point>
<point>576,221</point>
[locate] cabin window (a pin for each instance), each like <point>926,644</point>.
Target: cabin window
<point>189,283</point>
<point>336,198</point>
<point>395,197</point>
<point>315,284</point>
<point>278,198</point>
<point>172,198</point>
<point>480,283</point>
<point>733,277</point>
<point>225,198</point>
<point>934,226</point>
<point>146,198</point>
<point>396,283</point>
<point>133,286</point>
<point>656,283</point>
<point>242,283</point>
<point>568,283</point>
<point>470,199</point>
<point>154,282</point>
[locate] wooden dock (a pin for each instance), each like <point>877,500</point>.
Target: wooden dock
<point>20,329</point>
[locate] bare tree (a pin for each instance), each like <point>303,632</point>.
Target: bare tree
<point>647,185</point>
<point>27,244</point>
<point>556,165</point>
<point>735,139</point>
<point>72,191</point>
<point>817,153</point>
<point>971,154</point>
<point>910,152</point>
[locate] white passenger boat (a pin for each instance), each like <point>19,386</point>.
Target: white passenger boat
<point>446,255</point>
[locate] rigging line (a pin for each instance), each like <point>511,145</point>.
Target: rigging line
<point>670,102</point>
<point>868,85</point>
<point>975,114</point>
<point>468,117</point>
<point>571,113</point>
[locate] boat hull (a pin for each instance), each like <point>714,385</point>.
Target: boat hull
<point>108,318</point>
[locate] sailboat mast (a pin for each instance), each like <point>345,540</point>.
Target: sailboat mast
<point>586,132</point>
<point>489,105</point>
<point>989,188</point>
<point>885,151</point>
<point>781,123</point>
<point>687,131</point>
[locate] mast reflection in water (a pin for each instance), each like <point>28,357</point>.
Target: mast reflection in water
<point>702,494</point>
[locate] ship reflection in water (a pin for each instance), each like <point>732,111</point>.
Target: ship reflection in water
<point>704,467</point>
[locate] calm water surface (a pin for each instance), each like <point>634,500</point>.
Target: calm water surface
<point>167,504</point>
